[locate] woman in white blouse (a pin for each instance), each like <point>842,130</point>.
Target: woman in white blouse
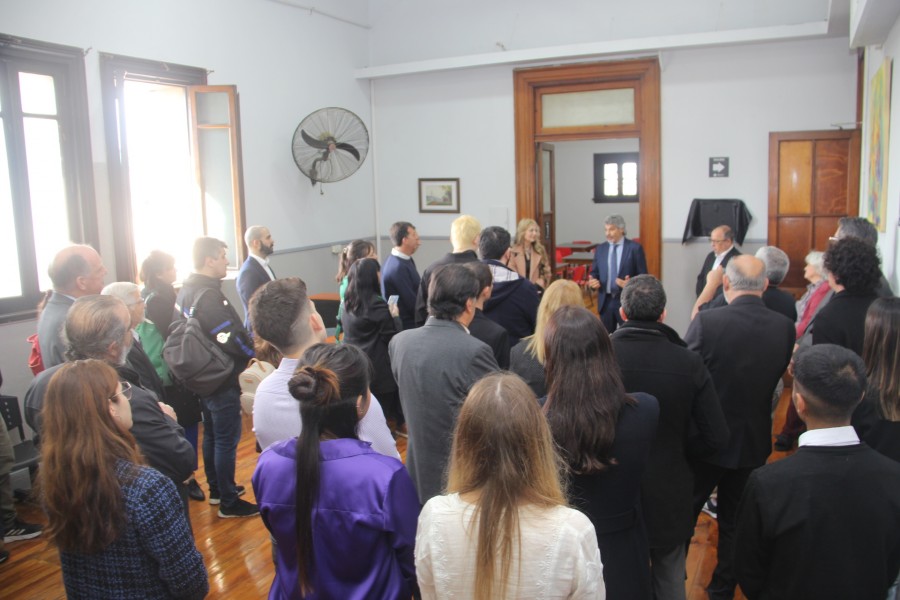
<point>504,530</point>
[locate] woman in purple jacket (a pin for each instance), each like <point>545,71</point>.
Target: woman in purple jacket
<point>343,516</point>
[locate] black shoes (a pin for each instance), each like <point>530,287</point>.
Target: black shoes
<point>20,530</point>
<point>241,508</point>
<point>194,491</point>
<point>215,499</point>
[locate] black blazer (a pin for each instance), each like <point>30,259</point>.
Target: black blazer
<point>493,335</point>
<point>746,347</point>
<point>251,277</point>
<point>371,328</point>
<point>656,361</point>
<point>707,266</point>
<point>843,320</point>
<point>821,524</point>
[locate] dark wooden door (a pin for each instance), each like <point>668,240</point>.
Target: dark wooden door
<point>813,182</point>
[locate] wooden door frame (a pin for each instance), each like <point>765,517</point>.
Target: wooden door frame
<point>643,76</point>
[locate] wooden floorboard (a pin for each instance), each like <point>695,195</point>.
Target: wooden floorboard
<point>237,551</point>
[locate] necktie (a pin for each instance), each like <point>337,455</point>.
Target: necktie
<point>613,269</point>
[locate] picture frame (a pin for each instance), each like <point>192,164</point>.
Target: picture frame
<point>439,195</point>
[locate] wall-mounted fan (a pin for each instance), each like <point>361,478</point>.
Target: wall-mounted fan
<point>330,145</point>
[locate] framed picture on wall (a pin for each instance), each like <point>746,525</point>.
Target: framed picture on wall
<point>439,195</point>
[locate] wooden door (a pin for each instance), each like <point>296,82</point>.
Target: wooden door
<point>813,182</point>
<point>545,185</point>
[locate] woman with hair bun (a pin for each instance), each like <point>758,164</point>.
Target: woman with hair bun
<point>119,525</point>
<point>343,516</point>
<point>504,530</point>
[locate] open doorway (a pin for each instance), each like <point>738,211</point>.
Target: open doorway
<point>593,101</point>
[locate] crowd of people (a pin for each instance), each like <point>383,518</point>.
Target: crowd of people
<point>552,451</point>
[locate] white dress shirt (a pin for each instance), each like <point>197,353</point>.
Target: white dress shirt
<point>276,414</point>
<point>830,436</point>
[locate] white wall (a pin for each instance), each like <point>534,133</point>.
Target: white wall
<point>888,240</point>
<point>577,216</point>
<point>715,102</point>
<point>285,62</point>
<point>413,30</point>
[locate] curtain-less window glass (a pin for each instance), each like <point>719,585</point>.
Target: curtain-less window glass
<point>46,190</point>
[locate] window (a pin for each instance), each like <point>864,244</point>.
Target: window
<point>616,177</point>
<point>46,186</point>
<point>175,171</point>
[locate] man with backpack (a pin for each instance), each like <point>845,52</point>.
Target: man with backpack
<point>201,297</point>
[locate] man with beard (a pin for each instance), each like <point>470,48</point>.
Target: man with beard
<point>255,272</point>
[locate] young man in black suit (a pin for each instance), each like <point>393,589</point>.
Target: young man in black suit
<point>746,347</point>
<point>825,522</point>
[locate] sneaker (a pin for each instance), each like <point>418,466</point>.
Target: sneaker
<point>20,530</point>
<point>194,491</point>
<point>4,556</point>
<point>214,497</point>
<point>241,508</point>
<point>711,507</point>
<point>783,443</point>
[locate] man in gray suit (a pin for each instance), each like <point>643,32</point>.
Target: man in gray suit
<point>76,271</point>
<point>435,365</point>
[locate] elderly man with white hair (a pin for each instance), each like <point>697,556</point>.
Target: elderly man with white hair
<point>137,358</point>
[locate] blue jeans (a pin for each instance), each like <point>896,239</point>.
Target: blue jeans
<point>221,434</point>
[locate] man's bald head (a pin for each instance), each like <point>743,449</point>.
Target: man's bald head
<point>745,275</point>
<point>77,271</point>
<point>98,327</point>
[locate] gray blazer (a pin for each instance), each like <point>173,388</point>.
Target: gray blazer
<point>435,365</point>
<point>50,329</point>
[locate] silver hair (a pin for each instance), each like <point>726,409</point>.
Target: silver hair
<point>816,259</point>
<point>616,221</point>
<point>743,283</point>
<point>121,290</point>
<point>777,263</point>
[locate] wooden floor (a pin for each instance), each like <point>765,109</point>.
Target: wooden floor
<point>237,551</point>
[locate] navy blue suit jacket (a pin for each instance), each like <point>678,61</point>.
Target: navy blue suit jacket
<point>633,263</point>
<point>251,277</point>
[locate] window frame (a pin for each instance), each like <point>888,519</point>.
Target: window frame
<point>66,65</point>
<point>618,158</point>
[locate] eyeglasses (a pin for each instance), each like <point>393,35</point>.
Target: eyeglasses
<point>125,393</point>
<point>832,238</point>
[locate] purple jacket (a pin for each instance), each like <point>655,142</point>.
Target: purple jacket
<point>364,522</point>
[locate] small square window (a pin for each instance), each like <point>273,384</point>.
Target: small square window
<point>616,177</point>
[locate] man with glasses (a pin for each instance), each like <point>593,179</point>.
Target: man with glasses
<point>722,241</point>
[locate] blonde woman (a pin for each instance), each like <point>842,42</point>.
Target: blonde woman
<point>526,359</point>
<point>529,257</point>
<point>518,538</point>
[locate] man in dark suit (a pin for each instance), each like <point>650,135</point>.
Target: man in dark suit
<point>825,522</point>
<point>722,241</point>
<point>656,361</point>
<point>464,232</point>
<point>616,260</point>
<point>746,347</point>
<point>483,328</point>
<point>255,272</point>
<point>435,365</point>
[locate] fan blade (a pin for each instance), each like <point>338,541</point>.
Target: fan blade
<point>313,141</point>
<point>348,148</point>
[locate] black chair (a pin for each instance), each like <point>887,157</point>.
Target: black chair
<point>26,454</point>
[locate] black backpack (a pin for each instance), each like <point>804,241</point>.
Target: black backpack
<point>193,358</point>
